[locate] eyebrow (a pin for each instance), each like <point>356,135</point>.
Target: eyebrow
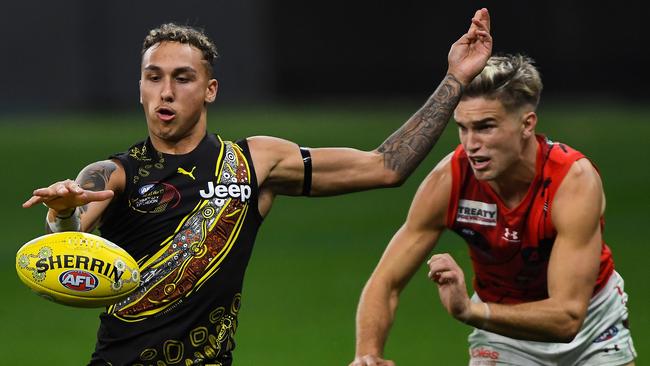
<point>479,122</point>
<point>176,71</point>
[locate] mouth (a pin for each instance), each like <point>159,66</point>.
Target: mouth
<point>479,162</point>
<point>165,114</point>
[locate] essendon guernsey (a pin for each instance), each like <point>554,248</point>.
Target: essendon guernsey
<point>510,247</point>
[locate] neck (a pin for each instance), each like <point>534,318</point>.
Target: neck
<point>182,144</point>
<point>513,184</point>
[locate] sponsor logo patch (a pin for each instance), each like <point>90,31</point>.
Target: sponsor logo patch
<point>610,333</point>
<point>481,352</point>
<point>78,280</point>
<point>155,198</point>
<point>511,235</point>
<point>477,212</point>
<point>223,191</point>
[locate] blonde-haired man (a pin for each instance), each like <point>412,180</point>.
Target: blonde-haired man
<point>531,211</point>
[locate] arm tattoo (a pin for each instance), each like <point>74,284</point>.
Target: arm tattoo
<point>95,177</point>
<point>408,146</point>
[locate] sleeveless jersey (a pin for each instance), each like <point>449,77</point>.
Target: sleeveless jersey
<point>190,221</point>
<point>510,248</point>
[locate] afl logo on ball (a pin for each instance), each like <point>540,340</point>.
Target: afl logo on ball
<point>77,280</point>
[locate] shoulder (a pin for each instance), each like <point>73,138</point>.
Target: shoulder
<point>270,144</point>
<point>430,203</point>
<point>437,185</point>
<point>581,191</point>
<point>581,175</point>
<point>104,174</point>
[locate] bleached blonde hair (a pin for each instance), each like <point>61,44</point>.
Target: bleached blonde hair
<point>512,79</point>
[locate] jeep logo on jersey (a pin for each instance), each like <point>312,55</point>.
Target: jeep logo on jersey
<point>222,191</point>
<point>77,280</point>
<point>477,212</point>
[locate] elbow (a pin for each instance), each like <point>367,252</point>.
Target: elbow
<point>566,335</point>
<point>381,290</point>
<point>393,179</point>
<point>569,332</point>
<point>569,327</point>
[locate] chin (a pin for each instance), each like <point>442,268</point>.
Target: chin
<point>484,175</point>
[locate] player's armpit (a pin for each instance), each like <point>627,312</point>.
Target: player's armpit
<point>278,165</point>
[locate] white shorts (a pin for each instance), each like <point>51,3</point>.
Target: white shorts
<point>603,340</point>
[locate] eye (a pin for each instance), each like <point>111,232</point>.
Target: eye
<point>184,78</point>
<point>153,77</point>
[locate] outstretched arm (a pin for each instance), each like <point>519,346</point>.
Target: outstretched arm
<point>406,148</point>
<point>340,170</point>
<point>405,253</point>
<point>79,204</point>
<point>572,270</point>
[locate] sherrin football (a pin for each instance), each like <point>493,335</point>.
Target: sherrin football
<point>77,269</point>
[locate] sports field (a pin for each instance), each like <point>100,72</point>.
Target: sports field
<point>313,255</point>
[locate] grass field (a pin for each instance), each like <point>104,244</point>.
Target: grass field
<point>312,256</point>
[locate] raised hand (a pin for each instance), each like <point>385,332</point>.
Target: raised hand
<point>468,56</point>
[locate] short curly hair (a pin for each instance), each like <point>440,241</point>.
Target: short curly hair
<point>183,34</point>
<point>512,79</point>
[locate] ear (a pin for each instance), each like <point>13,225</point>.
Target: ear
<point>529,124</point>
<point>211,91</point>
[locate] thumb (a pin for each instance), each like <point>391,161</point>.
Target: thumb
<point>92,196</point>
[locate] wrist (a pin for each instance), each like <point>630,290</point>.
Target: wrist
<point>64,214</point>
<point>459,78</point>
<point>478,315</point>
<point>64,221</point>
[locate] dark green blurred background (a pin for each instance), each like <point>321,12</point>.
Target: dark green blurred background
<point>279,61</point>
<point>313,255</point>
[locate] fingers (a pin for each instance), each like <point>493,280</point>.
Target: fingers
<point>481,20</point>
<point>69,191</point>
<point>34,200</point>
<point>443,269</point>
<point>56,190</point>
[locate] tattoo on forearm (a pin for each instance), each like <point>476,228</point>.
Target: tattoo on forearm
<point>95,178</point>
<point>408,146</point>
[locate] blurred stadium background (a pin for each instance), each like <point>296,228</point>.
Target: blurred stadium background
<point>321,74</point>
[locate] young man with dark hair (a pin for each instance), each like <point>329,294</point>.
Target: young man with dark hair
<point>187,205</point>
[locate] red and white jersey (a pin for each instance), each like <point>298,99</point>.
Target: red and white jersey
<point>510,248</point>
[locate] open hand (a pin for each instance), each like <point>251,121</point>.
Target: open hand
<point>66,195</point>
<point>468,56</point>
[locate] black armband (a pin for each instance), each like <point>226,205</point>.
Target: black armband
<point>306,160</point>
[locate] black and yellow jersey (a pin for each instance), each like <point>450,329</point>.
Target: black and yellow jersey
<point>190,221</point>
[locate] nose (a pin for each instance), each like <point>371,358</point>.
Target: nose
<point>472,142</point>
<point>167,92</point>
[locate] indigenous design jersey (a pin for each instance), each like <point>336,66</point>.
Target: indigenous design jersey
<point>510,248</point>
<point>190,221</point>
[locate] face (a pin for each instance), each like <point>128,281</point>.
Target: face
<point>174,91</point>
<point>493,138</point>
